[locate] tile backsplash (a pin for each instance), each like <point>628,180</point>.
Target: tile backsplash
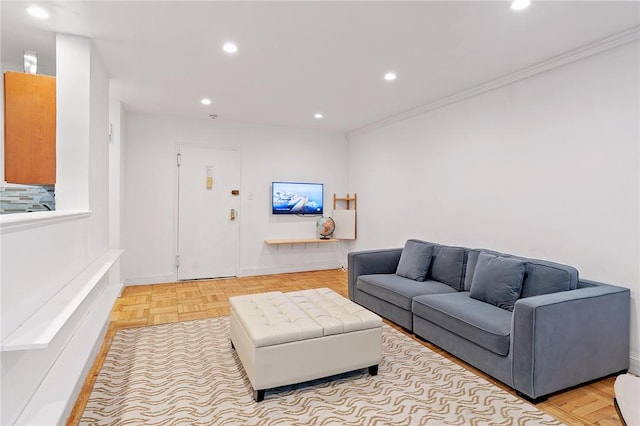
<point>15,198</point>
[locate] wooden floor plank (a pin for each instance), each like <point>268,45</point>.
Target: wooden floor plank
<point>138,306</point>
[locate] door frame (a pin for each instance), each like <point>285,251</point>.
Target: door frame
<point>176,233</point>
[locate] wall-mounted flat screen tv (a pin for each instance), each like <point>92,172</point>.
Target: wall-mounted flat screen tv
<point>297,198</point>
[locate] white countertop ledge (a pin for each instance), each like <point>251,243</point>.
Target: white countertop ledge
<point>18,220</point>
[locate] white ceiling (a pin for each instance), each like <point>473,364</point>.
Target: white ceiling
<point>297,58</point>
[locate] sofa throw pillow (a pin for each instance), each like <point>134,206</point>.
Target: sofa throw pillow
<point>498,280</point>
<point>414,260</point>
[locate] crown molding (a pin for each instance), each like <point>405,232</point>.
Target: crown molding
<point>602,45</point>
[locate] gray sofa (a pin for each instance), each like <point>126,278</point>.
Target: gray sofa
<point>540,330</point>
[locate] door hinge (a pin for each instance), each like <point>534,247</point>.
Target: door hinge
<point>178,157</point>
<point>177,260</point>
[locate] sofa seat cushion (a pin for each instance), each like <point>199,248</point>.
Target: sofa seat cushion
<point>398,290</point>
<point>481,323</point>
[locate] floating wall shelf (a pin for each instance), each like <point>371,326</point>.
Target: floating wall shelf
<point>302,241</point>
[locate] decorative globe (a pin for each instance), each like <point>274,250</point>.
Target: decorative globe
<point>325,227</point>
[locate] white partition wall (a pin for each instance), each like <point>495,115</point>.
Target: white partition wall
<point>55,265</point>
<point>73,123</point>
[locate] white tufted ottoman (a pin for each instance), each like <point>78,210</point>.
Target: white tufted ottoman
<point>287,338</point>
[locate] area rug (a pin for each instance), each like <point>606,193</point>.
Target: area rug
<point>187,373</point>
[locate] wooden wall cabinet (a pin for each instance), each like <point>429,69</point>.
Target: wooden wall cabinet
<point>29,128</point>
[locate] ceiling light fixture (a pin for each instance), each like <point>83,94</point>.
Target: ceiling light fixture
<point>230,47</point>
<point>520,4</point>
<point>390,76</point>
<point>205,101</point>
<point>37,12</point>
<point>318,115</point>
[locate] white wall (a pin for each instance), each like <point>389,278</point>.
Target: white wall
<point>98,157</point>
<point>115,173</point>
<point>116,178</point>
<point>39,386</point>
<point>547,167</point>
<point>268,154</point>
<point>73,124</point>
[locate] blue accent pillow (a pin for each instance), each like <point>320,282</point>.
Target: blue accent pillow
<point>498,280</point>
<point>414,260</point>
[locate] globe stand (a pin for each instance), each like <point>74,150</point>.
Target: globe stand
<point>325,237</point>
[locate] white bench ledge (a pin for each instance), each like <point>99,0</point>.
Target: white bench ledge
<point>40,329</point>
<point>16,221</point>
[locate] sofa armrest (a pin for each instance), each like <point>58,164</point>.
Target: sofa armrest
<point>567,338</point>
<point>371,262</point>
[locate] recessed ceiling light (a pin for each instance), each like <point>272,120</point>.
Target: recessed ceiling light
<point>318,115</point>
<point>37,12</point>
<point>520,4</point>
<point>390,76</point>
<point>230,47</point>
<point>205,101</point>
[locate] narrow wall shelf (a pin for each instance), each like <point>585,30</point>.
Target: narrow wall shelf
<point>301,241</point>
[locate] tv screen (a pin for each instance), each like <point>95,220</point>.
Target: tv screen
<point>296,198</point>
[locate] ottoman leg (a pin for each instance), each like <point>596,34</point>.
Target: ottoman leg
<point>258,395</point>
<point>232,345</point>
<point>373,370</point>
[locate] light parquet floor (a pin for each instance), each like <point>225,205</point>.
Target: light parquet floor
<point>144,305</point>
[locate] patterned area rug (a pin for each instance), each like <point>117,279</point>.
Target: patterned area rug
<point>187,373</point>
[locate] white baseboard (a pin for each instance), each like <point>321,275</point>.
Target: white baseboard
<point>285,269</point>
<point>242,272</point>
<point>151,279</point>
<point>87,368</point>
<point>634,364</point>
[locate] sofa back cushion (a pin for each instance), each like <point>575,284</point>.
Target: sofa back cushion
<point>544,277</point>
<point>448,266</point>
<point>541,276</point>
<point>415,260</point>
<point>498,280</point>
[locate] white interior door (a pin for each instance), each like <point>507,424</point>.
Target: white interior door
<point>208,217</point>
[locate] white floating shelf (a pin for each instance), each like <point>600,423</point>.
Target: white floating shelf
<point>302,241</point>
